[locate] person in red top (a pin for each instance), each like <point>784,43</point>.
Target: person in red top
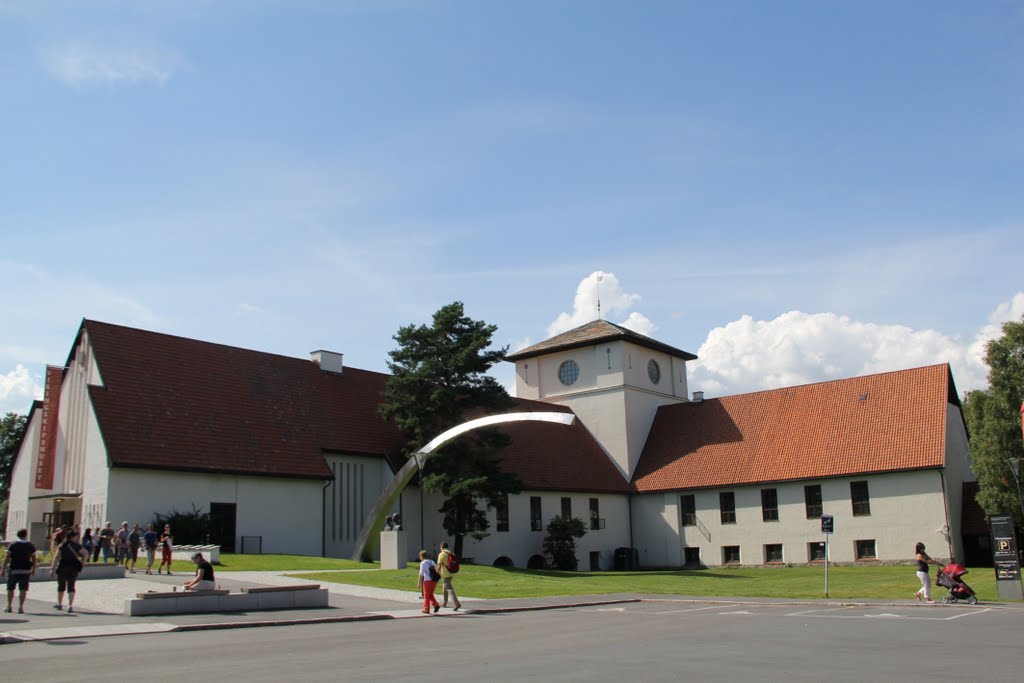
<point>166,546</point>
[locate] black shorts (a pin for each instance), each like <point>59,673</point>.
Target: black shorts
<point>66,579</point>
<point>19,580</point>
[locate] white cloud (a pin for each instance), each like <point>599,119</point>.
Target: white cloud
<point>84,64</point>
<point>798,348</point>
<point>601,291</point>
<point>17,391</point>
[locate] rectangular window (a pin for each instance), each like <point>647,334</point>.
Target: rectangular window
<point>536,523</point>
<point>688,510</point>
<point>816,551</point>
<point>566,507</point>
<point>812,499</point>
<point>730,554</point>
<point>772,552</point>
<point>770,505</point>
<point>595,513</point>
<point>727,502</point>
<point>859,496</point>
<point>501,508</point>
<point>865,549</point>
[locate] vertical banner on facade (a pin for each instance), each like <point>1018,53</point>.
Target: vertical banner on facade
<point>47,460</point>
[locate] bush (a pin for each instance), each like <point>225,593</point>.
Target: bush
<point>560,541</point>
<point>187,528</point>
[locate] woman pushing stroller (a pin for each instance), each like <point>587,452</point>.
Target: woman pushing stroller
<point>923,560</point>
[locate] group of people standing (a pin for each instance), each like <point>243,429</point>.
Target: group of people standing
<point>70,552</point>
<point>432,573</point>
<point>124,544</point>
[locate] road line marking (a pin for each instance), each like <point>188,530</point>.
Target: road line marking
<point>695,609</point>
<point>968,614</point>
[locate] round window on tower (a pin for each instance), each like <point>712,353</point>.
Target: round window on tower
<point>653,371</point>
<point>568,372</point>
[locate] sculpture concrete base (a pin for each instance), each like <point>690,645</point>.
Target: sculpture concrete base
<point>394,552</point>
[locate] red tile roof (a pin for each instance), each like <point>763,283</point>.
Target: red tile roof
<point>886,422</point>
<point>175,403</point>
<point>180,404</point>
<point>595,332</point>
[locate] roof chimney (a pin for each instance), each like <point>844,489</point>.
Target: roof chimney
<point>698,397</point>
<point>329,361</point>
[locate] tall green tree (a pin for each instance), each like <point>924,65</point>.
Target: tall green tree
<point>12,427</point>
<point>438,381</point>
<point>993,420</point>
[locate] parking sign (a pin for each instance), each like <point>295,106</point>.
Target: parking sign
<point>826,524</point>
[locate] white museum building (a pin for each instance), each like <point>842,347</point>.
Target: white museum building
<point>288,455</point>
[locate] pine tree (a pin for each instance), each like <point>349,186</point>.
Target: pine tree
<point>437,382</point>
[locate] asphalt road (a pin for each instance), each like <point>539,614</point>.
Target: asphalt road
<point>652,641</point>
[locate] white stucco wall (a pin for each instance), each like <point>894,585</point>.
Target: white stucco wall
<point>906,507</point>
<point>23,479</point>
<point>520,543</point>
<point>287,513</point>
<point>358,482</point>
<point>957,471</point>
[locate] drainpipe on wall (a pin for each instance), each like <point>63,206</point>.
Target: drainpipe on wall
<point>323,519</point>
<point>945,507</point>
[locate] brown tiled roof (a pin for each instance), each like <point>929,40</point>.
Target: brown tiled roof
<point>182,404</point>
<point>594,333</point>
<point>886,422</point>
<point>553,457</point>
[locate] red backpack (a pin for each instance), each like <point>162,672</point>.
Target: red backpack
<point>453,563</point>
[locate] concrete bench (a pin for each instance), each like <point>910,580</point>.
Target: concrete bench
<point>308,596</point>
<point>184,553</point>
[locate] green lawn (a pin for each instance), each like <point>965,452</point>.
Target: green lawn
<point>232,562</point>
<point>789,582</point>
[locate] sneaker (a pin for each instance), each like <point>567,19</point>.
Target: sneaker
<point>436,607</point>
<point>58,607</point>
<point>7,610</point>
<point>21,610</point>
<point>70,609</point>
<point>425,611</point>
<point>168,572</point>
<point>457,607</point>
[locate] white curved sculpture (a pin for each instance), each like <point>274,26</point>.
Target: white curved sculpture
<point>369,536</point>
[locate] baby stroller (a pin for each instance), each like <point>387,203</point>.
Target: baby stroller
<point>949,577</point>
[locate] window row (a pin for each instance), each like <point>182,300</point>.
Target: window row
<point>859,500</point>
<point>772,552</point>
<point>537,516</point>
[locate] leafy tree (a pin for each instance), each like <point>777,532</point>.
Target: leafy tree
<point>437,382</point>
<point>993,420</point>
<point>12,428</point>
<point>560,541</point>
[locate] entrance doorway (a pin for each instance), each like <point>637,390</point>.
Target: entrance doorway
<point>222,526</point>
<point>691,557</point>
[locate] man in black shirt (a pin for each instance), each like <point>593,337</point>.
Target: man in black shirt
<point>21,561</point>
<point>204,575</point>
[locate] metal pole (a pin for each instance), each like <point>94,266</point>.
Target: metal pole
<point>826,565</point>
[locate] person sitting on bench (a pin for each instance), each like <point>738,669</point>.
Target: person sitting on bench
<point>204,575</point>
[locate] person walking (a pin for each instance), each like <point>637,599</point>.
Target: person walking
<point>166,547</point>
<point>121,554</point>
<point>922,573</point>
<point>134,541</point>
<point>444,562</point>
<point>428,570</point>
<point>106,544</point>
<point>87,543</point>
<point>150,539</point>
<point>67,565</point>
<point>20,561</point>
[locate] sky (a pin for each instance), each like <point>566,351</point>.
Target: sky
<point>794,191</point>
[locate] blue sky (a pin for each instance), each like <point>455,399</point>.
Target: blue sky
<point>794,191</point>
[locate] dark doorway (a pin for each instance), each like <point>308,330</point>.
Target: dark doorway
<point>222,526</point>
<point>691,558</point>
